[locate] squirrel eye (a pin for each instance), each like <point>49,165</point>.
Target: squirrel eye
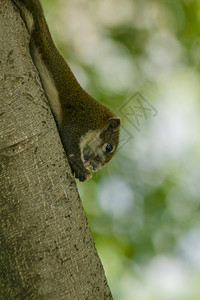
<point>109,148</point>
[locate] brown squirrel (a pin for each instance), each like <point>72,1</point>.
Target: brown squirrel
<point>89,131</point>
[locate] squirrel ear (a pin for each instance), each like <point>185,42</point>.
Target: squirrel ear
<point>113,123</point>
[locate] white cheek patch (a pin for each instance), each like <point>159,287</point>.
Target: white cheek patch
<point>101,154</point>
<point>91,139</point>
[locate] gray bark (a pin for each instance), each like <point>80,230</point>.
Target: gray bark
<point>46,248</point>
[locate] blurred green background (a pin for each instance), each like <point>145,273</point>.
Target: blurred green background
<point>141,58</point>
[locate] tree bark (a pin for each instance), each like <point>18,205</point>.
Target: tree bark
<point>46,248</point>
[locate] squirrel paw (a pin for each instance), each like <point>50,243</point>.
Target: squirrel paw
<point>82,173</point>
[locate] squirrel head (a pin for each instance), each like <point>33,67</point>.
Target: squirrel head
<point>98,146</point>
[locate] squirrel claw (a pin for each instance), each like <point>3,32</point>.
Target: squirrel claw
<point>82,173</point>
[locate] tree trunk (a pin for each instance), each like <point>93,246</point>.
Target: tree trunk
<point>46,248</point>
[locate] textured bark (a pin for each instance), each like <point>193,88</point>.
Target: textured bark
<point>46,248</point>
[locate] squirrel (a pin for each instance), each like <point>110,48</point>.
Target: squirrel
<point>89,131</point>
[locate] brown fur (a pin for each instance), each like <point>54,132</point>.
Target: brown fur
<point>84,124</point>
